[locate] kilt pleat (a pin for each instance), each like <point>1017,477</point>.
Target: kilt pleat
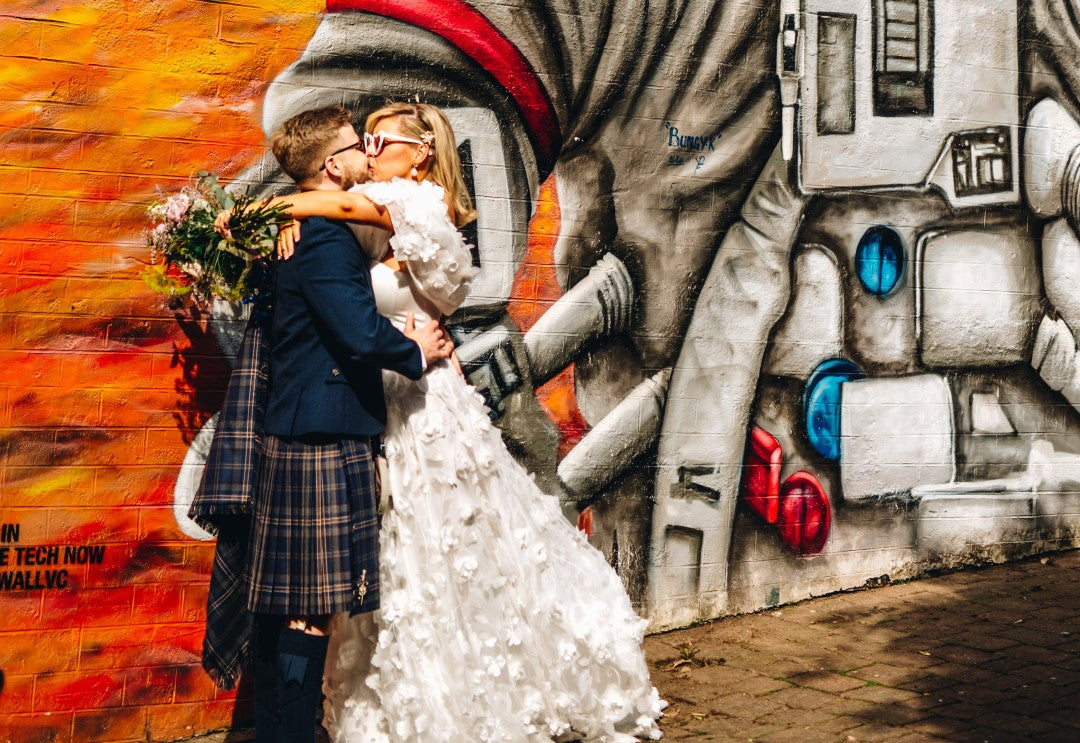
<point>315,531</point>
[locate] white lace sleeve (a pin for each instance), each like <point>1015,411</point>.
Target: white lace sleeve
<point>439,261</point>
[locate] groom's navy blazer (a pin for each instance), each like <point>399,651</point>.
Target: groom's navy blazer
<point>328,342</point>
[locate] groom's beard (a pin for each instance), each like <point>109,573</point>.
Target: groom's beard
<point>350,177</point>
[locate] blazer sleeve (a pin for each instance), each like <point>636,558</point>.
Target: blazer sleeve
<point>334,279</point>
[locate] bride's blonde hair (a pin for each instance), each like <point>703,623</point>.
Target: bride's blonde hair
<point>418,119</point>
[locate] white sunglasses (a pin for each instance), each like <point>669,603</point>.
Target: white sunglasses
<point>375,141</point>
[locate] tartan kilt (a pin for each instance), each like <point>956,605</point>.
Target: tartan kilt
<point>315,530</point>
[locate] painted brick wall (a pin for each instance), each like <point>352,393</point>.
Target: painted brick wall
<point>777,297</point>
<point>104,387</point>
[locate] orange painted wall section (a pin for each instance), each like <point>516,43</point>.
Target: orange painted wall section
<point>102,386</point>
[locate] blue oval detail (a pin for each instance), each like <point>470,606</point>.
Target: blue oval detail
<point>879,260</point>
<point>821,404</point>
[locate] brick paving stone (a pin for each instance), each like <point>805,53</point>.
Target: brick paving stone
<point>983,640</point>
<point>927,701</point>
<point>826,681</point>
<point>1040,655</point>
<point>922,658</point>
<point>962,655</point>
<point>896,714</point>
<point>846,661</point>
<point>967,674</point>
<point>802,718</point>
<point>898,735</point>
<point>859,709</point>
<point>1049,626</point>
<point>878,731</point>
<point>931,682</point>
<point>960,711</point>
<point>1003,682</point>
<point>1032,637</point>
<point>1016,723</point>
<point>798,735</point>
<point>746,706</point>
<point>1072,664</point>
<point>915,644</point>
<point>1032,707</point>
<point>1037,690</point>
<point>1066,718</point>
<point>763,662</point>
<point>1071,646</point>
<point>797,718</point>
<point>762,685</point>
<point>940,727</point>
<point>1058,735</point>
<point>1004,664</point>
<point>881,694</point>
<point>737,729</point>
<point>803,698</point>
<point>1058,674</point>
<point>884,674</point>
<point>991,735</point>
<point>1003,617</point>
<point>1055,613</point>
<point>837,724</point>
<point>975,695</point>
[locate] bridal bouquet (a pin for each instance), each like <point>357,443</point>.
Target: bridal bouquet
<point>189,258</point>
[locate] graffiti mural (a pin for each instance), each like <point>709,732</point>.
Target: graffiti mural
<point>802,283</point>
<point>778,297</point>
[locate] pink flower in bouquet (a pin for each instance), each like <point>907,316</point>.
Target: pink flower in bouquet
<point>176,208</point>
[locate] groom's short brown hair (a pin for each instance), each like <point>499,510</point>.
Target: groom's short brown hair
<point>301,143</point>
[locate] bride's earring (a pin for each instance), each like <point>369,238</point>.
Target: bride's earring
<point>414,173</point>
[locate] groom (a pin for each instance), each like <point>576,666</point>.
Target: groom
<point>314,541</point>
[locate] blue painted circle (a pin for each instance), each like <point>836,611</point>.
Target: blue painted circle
<point>821,404</point>
<point>879,260</point>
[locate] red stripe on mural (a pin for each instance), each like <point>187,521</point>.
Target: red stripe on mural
<point>468,30</point>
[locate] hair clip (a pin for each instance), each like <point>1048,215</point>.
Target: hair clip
<point>428,138</point>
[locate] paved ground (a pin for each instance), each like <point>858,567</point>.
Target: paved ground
<point>980,655</point>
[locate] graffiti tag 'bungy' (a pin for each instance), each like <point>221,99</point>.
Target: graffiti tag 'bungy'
<point>690,142</point>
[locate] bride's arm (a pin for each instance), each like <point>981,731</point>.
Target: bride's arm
<point>353,207</point>
<point>346,205</point>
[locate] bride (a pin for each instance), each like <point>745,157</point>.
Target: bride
<point>498,621</point>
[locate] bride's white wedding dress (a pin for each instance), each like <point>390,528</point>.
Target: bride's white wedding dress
<point>499,621</point>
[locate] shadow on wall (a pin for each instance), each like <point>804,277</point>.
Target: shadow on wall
<point>204,372</point>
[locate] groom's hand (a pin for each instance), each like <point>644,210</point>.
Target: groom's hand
<point>433,341</point>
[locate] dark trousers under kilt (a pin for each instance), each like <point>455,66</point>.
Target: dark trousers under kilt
<point>315,531</point>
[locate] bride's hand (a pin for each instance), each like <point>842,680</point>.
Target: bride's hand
<point>287,238</point>
<point>457,364</point>
<point>221,223</point>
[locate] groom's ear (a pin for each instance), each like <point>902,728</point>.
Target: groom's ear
<point>331,167</point>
